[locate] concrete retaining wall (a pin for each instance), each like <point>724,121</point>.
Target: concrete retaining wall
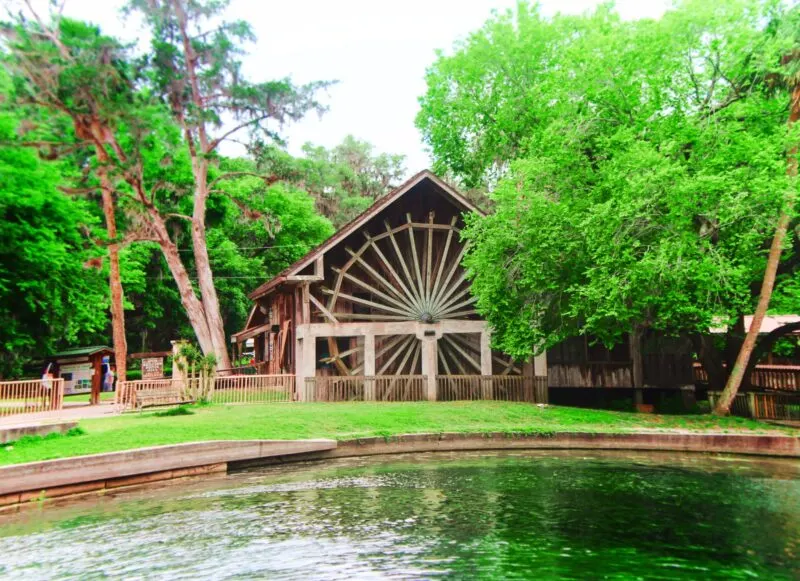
<point>23,482</point>
<point>14,433</point>
<point>785,446</point>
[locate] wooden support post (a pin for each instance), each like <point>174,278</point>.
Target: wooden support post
<point>369,366</point>
<point>97,378</point>
<point>306,312</point>
<point>429,366</point>
<point>486,364</point>
<point>306,365</point>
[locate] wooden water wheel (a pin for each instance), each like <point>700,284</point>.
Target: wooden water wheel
<point>410,272</point>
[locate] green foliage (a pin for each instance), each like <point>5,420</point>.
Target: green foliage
<point>181,410</point>
<point>48,298</point>
<point>639,166</point>
<point>344,180</point>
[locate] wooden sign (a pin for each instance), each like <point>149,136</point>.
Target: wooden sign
<point>152,368</point>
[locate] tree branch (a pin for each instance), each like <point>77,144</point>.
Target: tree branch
<point>215,142</point>
<point>268,180</point>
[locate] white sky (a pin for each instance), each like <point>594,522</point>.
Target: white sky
<point>377,50</point>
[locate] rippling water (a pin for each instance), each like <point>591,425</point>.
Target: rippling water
<point>497,516</point>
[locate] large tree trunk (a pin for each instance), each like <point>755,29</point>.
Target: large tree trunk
<point>737,374</point>
<point>205,277</point>
<point>191,304</point>
<point>114,279</point>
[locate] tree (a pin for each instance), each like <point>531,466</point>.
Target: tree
<point>637,187</point>
<point>789,74</point>
<point>189,81</point>
<point>244,250</point>
<point>48,297</point>
<point>344,180</point>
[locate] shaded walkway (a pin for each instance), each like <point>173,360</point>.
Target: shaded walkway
<point>70,412</point>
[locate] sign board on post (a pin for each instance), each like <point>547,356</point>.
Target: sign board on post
<point>152,368</point>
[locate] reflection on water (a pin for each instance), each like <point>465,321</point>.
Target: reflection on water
<point>542,515</point>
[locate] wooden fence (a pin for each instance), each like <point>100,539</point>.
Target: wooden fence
<point>492,387</point>
<point>253,389</point>
<point>412,388</point>
<point>31,396</point>
<point>763,405</point>
<point>778,377</point>
<point>230,389</point>
<point>365,388</point>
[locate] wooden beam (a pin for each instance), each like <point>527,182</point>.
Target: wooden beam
<point>368,303</point>
<point>249,333</point>
<point>456,264</point>
<point>409,296</point>
<point>356,329</point>
<point>370,288</point>
<point>443,260</point>
<point>415,262</point>
<point>402,261</point>
<point>404,343</point>
<point>428,259</point>
<point>322,309</point>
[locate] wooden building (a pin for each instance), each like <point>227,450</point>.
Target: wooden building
<point>582,362</point>
<point>386,295</point>
<point>82,369</point>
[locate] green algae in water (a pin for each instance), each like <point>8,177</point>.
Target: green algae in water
<point>466,516</point>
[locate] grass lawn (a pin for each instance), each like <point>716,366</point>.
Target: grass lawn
<point>84,397</point>
<point>350,420</point>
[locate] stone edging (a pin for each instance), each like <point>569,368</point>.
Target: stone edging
<point>20,483</point>
<point>758,445</point>
<point>23,482</point>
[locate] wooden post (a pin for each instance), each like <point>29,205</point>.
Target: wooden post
<point>97,377</point>
<point>486,364</point>
<point>637,372</point>
<point>369,366</point>
<point>429,366</point>
<point>306,365</point>
<point>306,304</point>
<point>178,375</point>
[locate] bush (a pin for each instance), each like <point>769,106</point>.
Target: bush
<point>181,410</point>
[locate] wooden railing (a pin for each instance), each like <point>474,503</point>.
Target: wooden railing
<point>253,389</point>
<point>365,388</point>
<point>763,405</point>
<point>31,396</point>
<point>492,387</point>
<point>127,390</point>
<point>779,377</point>
<point>231,389</point>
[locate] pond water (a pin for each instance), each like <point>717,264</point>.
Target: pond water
<point>531,515</point>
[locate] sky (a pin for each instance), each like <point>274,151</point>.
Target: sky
<point>377,50</point>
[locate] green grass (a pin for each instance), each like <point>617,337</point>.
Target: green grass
<point>84,397</point>
<point>344,421</point>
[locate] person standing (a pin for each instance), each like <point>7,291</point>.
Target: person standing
<point>108,380</point>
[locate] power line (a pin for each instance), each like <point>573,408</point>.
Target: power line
<point>252,247</point>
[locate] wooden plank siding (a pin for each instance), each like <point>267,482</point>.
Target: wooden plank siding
<point>777,377</point>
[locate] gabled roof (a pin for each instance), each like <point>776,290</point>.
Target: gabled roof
<point>362,219</point>
<point>77,351</point>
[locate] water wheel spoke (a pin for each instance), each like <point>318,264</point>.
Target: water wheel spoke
<point>415,262</point>
<point>409,309</point>
<point>406,340</point>
<point>404,266</point>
